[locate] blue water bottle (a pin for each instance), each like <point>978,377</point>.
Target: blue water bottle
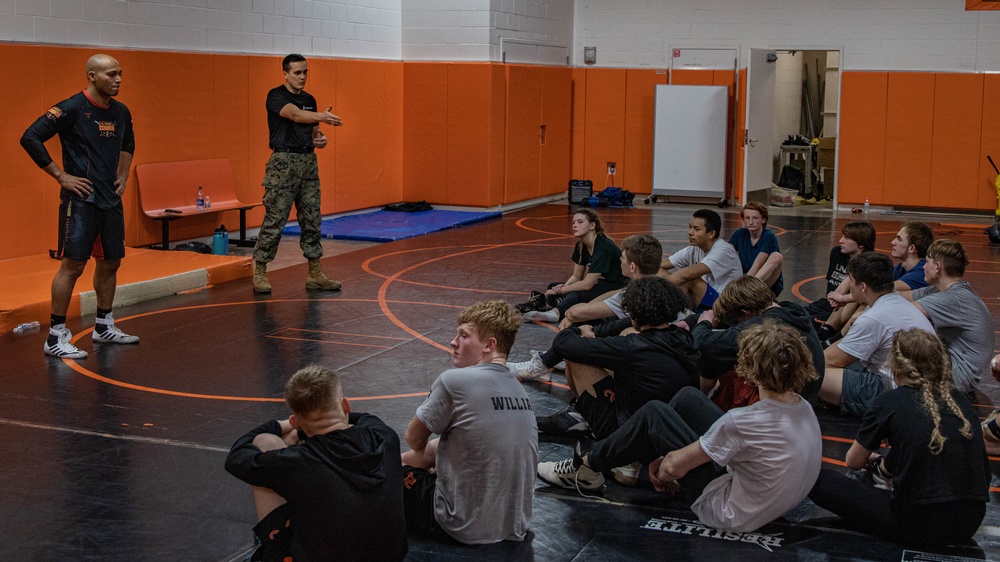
<point>220,241</point>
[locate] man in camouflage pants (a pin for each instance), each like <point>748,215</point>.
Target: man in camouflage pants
<point>292,175</point>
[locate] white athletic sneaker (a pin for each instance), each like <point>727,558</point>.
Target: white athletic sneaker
<point>532,369</point>
<point>551,316</point>
<point>111,333</point>
<point>565,475</point>
<point>627,475</point>
<point>62,347</point>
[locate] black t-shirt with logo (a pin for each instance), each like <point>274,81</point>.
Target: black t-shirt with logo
<point>92,138</point>
<point>285,133</point>
<point>961,471</point>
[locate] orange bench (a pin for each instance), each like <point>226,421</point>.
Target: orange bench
<point>167,193</point>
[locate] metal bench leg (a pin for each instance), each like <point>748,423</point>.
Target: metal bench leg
<point>243,242</point>
<point>166,235</point>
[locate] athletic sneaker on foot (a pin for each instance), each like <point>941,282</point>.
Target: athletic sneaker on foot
<point>567,422</point>
<point>61,346</point>
<point>535,302</point>
<point>547,316</point>
<point>532,369</point>
<point>627,475</point>
<point>571,473</point>
<point>105,331</point>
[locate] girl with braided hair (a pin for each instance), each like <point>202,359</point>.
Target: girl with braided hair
<point>597,269</point>
<point>933,484</point>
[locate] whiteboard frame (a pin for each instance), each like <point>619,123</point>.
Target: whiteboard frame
<point>689,143</point>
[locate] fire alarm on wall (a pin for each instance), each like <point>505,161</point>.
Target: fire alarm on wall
<point>590,55</point>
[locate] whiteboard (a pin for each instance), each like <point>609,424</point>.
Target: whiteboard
<point>689,143</point>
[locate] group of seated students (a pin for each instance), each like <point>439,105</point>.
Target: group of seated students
<point>684,363</point>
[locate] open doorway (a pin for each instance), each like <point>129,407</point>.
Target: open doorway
<point>806,101</point>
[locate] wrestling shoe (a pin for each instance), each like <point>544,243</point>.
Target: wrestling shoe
<point>566,422</point>
<point>535,302</point>
<point>571,473</point>
<point>538,316</point>
<point>110,333</point>
<point>874,475</point>
<point>627,475</point>
<point>991,439</point>
<point>61,346</point>
<point>532,369</point>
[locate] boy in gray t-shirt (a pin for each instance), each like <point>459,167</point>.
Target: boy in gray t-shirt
<point>960,318</point>
<point>485,459</point>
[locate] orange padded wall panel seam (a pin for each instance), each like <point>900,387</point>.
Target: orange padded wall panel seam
<point>605,123</point>
<point>741,125</point>
<point>958,122</point>
<point>636,172</point>
<point>557,104</point>
<point>861,162</point>
<point>31,196</point>
<point>909,123</point>
<point>425,131</point>
<point>579,123</point>
<point>728,78</point>
<point>524,113</point>
<point>466,173</point>
<point>986,189</point>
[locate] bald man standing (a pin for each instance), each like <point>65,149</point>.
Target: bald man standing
<point>95,133</point>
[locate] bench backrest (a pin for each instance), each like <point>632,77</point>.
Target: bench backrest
<point>174,185</point>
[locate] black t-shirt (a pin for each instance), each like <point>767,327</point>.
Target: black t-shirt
<point>285,133</point>
<point>837,270</point>
<point>961,471</point>
<point>344,488</point>
<point>92,139</point>
<point>605,260</point>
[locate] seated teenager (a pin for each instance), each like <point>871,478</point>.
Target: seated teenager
<point>856,370</point>
<point>483,464</point>
<point>703,268</point>
<point>596,270</point>
<point>910,248</point>
<point>933,483</point>
<point>758,247</point>
<point>641,255</point>
<point>856,237</point>
<point>746,302</point>
<point>323,478</point>
<point>613,376</point>
<point>771,450</point>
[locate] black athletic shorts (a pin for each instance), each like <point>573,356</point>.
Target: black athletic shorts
<point>87,230</point>
<point>277,538</point>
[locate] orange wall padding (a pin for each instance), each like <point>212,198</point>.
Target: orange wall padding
<point>861,163</point>
<point>524,116</point>
<point>635,173</point>
<point>739,134</point>
<point>557,103</point>
<point>579,104</point>
<point>605,118</point>
<point>361,167</point>
<point>986,189</point>
<point>909,122</point>
<point>958,125</point>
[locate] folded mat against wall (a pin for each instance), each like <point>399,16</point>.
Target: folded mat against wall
<point>386,226</point>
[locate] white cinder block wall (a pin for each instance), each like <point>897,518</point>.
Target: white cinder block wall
<point>787,96</point>
<point>346,28</point>
<point>538,31</point>
<point>929,35</point>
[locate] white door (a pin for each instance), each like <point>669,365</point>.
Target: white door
<point>759,140</point>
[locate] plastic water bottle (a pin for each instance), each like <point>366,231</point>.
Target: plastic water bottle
<point>220,241</point>
<point>868,206</point>
<point>208,202</point>
<point>199,203</point>
<point>27,328</point>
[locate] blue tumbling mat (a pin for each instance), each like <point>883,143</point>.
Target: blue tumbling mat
<point>386,226</point>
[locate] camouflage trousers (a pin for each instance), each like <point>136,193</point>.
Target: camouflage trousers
<point>290,179</point>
